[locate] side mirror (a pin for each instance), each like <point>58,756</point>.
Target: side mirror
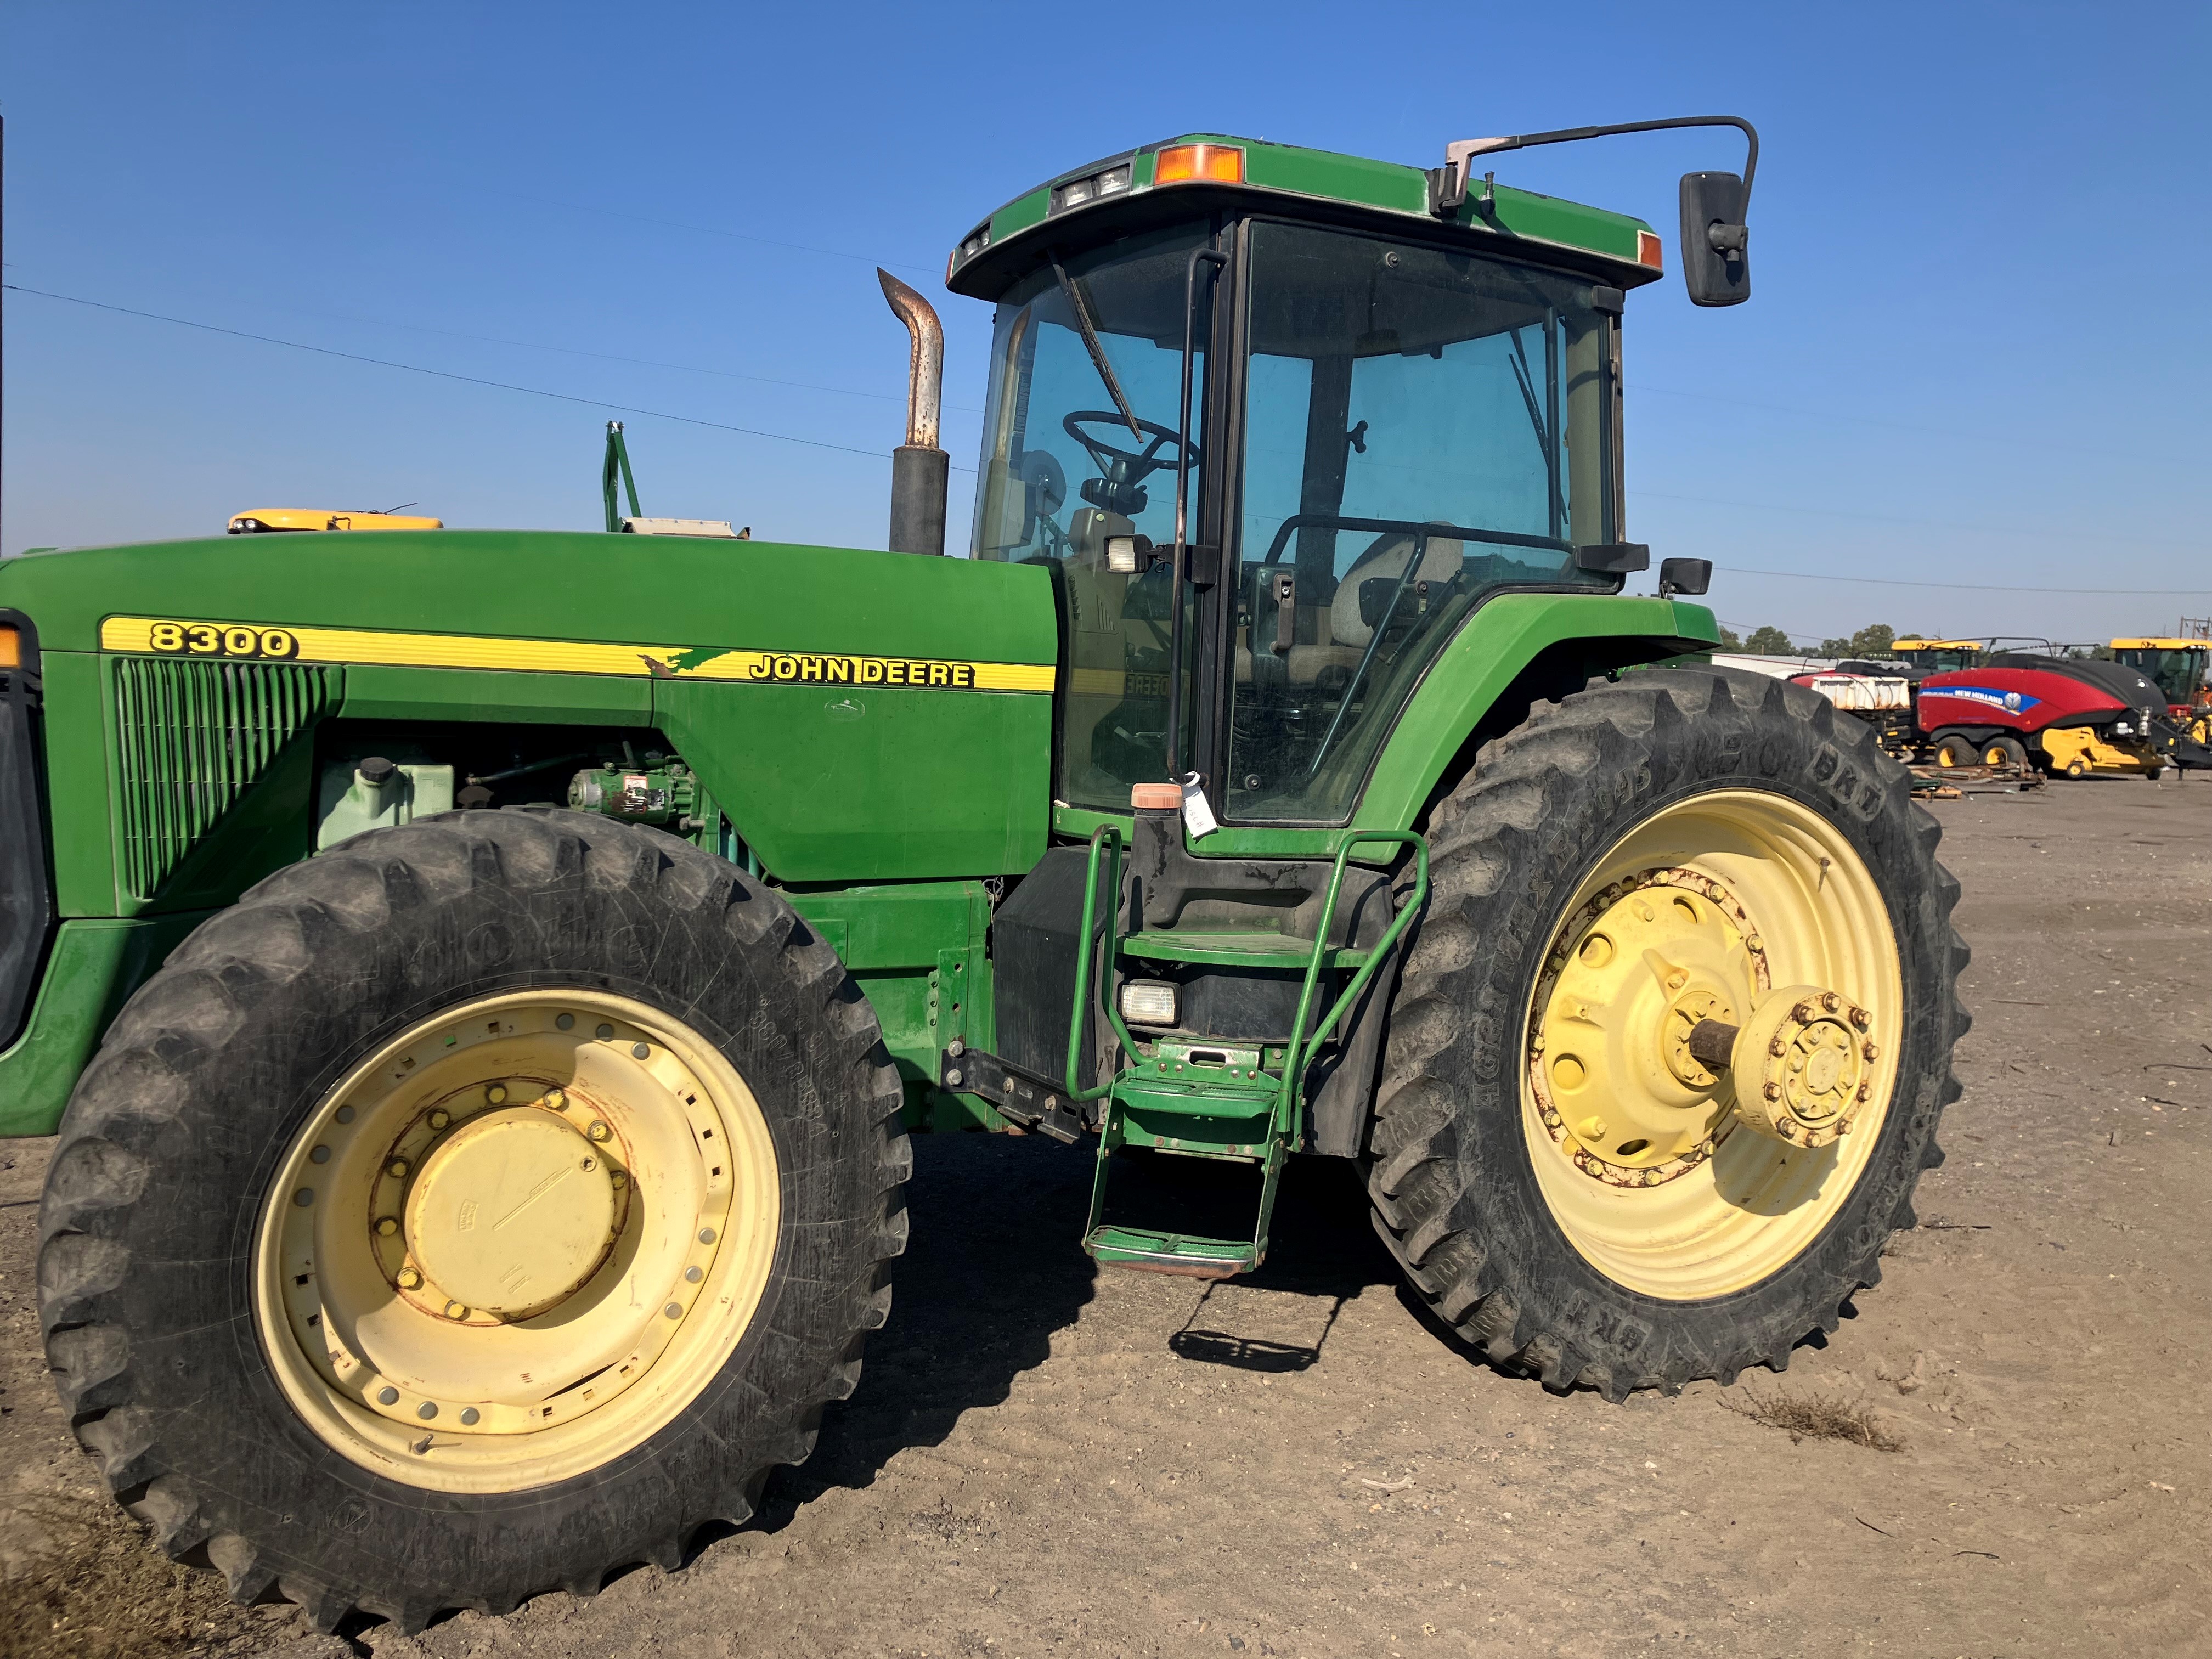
<point>1716,252</point>
<point>1692,576</point>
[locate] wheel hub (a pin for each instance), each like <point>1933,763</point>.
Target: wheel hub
<point>1633,972</point>
<point>1803,1066</point>
<point>513,1213</point>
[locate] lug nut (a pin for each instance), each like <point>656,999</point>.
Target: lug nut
<point>1870,1051</point>
<point>455,1310</point>
<point>554,1100</point>
<point>1755,945</point>
<point>1802,1013</point>
<point>598,1131</point>
<point>1866,1092</point>
<point>1861,1019</point>
<point>616,1177</point>
<point>496,1094</point>
<point>409,1280</point>
<point>387,1226</point>
<point>1777,1046</point>
<point>397,1168</point>
<point>1831,1001</point>
<point>1772,1091</point>
<point>440,1120</point>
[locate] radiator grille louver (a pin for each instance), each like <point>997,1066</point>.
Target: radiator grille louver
<point>192,737</point>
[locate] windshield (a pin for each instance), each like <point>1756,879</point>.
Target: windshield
<point>2177,672</point>
<point>1063,470</point>
<point>1421,429</point>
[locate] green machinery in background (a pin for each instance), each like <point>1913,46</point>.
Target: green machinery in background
<point>483,979</point>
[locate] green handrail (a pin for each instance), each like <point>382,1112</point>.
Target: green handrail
<point>1085,944</point>
<point>617,464</point>
<point>1300,1050</point>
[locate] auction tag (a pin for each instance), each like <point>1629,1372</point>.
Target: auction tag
<point>1197,815</point>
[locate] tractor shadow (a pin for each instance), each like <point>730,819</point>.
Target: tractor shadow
<point>995,1267</point>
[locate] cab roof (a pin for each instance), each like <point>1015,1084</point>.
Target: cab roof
<point>1205,172</point>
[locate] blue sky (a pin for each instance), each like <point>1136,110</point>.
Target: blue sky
<point>1973,356</point>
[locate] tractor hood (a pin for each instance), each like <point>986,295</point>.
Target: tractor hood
<point>671,598</point>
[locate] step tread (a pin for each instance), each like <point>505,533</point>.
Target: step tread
<point>1238,949</point>
<point>1110,1243</point>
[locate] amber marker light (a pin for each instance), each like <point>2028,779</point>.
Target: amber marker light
<point>1648,251</point>
<point>1215,163</point>
<point>11,647</point>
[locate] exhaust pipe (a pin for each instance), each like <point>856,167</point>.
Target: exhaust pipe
<point>920,468</point>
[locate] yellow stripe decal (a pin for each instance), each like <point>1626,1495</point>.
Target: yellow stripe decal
<point>183,637</point>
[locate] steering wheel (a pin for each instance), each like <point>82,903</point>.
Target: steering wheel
<point>1135,464</point>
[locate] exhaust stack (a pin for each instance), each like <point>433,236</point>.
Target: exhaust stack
<point>920,468</point>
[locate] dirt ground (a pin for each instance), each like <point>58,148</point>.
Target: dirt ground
<point>1047,1459</point>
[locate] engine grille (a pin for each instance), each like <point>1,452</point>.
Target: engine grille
<point>192,738</point>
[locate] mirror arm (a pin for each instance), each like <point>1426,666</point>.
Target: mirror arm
<point>1451,188</point>
<point>1181,556</point>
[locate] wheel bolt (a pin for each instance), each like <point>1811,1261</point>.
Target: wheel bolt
<point>1831,1001</point>
<point>1866,1092</point>
<point>598,1131</point>
<point>1870,1051</point>
<point>409,1280</point>
<point>1777,1046</point>
<point>616,1177</point>
<point>1772,1091</point>
<point>1861,1019</point>
<point>397,1168</point>
<point>440,1120</point>
<point>496,1094</point>
<point>387,1226</point>
<point>554,1099</point>
<point>455,1310</point>
<point>1802,1013</point>
<point>1755,945</point>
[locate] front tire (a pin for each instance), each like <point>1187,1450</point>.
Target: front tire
<point>1559,1178</point>
<point>472,1211</point>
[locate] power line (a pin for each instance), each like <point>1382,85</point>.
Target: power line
<point>711,230</point>
<point>448,374</point>
<point>1640,390</point>
<point>1970,587</point>
<point>1795,508</point>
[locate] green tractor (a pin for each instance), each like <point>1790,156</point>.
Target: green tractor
<point>484,980</point>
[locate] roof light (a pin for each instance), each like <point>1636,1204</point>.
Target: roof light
<point>1213,163</point>
<point>1113,179</point>
<point>1109,181</point>
<point>1648,251</point>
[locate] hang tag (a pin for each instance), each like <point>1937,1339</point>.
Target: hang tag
<point>1197,815</point>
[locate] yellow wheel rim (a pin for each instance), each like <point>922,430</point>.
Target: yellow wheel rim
<point>517,1240</point>
<point>1707,911</point>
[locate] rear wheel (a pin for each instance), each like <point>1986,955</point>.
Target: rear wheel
<point>2077,768</point>
<point>472,1211</point>
<point>1954,748</point>
<point>2003,751</point>
<point>1572,1183</point>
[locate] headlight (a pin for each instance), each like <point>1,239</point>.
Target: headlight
<point>1148,1002</point>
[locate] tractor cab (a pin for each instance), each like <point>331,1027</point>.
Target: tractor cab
<point>1364,414</point>
<point>2176,666</point>
<point>1923,657</point>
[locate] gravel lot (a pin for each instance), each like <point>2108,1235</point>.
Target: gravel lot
<point>1044,1458</point>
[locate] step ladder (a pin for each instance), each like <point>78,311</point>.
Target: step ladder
<point>1239,1103</point>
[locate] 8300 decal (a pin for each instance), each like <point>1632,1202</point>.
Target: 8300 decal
<point>226,640</point>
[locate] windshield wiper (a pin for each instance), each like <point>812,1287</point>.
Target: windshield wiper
<point>1091,342</point>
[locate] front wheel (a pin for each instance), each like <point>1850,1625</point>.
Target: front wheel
<point>1669,1054</point>
<point>473,1210</point>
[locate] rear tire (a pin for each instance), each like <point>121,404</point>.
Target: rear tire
<point>2003,751</point>
<point>1954,748</point>
<point>1577,1284</point>
<point>166,1273</point>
